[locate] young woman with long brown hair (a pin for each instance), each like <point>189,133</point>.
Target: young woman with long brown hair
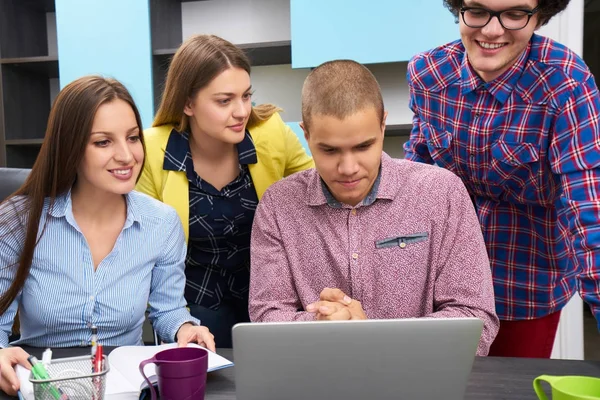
<point>79,248</point>
<point>211,155</point>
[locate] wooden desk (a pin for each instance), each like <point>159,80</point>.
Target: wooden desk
<point>492,378</point>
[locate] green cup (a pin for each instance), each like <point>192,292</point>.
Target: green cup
<point>568,387</point>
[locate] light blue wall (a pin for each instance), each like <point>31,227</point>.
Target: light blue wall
<point>300,133</point>
<point>111,38</point>
<point>368,31</point>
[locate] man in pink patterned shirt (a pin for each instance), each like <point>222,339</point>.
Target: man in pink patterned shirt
<point>364,235</point>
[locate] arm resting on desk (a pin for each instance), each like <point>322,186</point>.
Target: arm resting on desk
<point>167,305</point>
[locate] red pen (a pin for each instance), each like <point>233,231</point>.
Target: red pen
<point>96,368</point>
<point>98,360</point>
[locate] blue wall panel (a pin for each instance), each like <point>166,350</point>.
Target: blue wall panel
<point>295,126</point>
<point>111,38</point>
<point>368,31</point>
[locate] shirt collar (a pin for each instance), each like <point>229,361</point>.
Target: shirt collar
<point>178,151</point>
<point>469,80</point>
<point>63,208</point>
<point>500,87</point>
<point>247,150</point>
<point>319,194</point>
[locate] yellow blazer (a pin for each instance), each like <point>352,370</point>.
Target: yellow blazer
<point>278,151</point>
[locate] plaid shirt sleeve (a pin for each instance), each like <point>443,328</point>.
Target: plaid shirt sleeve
<point>415,149</point>
<point>575,156</point>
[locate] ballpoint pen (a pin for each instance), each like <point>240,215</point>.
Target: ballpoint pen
<point>94,339</point>
<point>97,368</point>
<point>39,372</point>
<point>94,359</point>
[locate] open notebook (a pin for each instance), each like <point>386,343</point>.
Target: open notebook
<point>124,380</point>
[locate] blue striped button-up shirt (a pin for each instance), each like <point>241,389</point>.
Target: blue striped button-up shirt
<point>63,295</point>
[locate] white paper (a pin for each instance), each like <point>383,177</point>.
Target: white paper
<point>124,381</point>
<point>128,358</point>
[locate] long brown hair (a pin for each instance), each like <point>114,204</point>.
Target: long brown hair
<point>195,64</point>
<point>55,169</point>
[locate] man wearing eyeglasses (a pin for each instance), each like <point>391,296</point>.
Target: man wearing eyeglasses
<point>517,117</point>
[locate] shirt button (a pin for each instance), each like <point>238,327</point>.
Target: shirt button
<point>353,211</point>
<point>354,256</point>
<point>92,298</point>
<point>402,245</point>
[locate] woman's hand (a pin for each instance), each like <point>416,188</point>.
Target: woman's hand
<point>189,333</point>
<point>9,357</point>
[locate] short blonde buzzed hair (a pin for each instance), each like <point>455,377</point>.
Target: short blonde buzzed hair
<point>340,88</point>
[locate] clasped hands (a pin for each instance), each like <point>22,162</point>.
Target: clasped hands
<point>335,305</point>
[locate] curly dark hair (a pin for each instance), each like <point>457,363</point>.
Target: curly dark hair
<point>547,8</point>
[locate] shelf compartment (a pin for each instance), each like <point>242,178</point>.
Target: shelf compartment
<point>24,142</point>
<point>21,156</point>
<point>266,53</point>
<point>43,65</point>
<point>398,130</point>
<point>43,5</point>
<point>25,34</point>
<point>26,99</point>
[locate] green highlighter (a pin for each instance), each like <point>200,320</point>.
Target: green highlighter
<point>39,372</point>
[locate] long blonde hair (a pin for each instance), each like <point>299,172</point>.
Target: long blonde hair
<point>195,64</point>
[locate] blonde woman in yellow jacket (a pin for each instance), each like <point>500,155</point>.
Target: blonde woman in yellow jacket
<point>211,155</point>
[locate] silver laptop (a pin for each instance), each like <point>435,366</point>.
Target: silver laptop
<point>355,360</point>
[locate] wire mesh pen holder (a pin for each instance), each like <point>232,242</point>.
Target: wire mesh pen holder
<point>71,379</point>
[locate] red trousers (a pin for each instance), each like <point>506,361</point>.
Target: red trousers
<point>532,338</point>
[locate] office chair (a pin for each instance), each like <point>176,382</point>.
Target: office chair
<point>10,180</point>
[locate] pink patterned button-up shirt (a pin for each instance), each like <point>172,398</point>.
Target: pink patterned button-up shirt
<point>412,248</point>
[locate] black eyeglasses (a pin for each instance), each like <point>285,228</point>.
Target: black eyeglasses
<point>512,20</point>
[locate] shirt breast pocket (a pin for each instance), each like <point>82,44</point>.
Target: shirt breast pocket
<point>402,255</point>
<point>439,143</point>
<point>514,165</point>
<point>401,241</point>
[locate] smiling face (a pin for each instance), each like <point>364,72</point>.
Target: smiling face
<point>114,153</point>
<point>220,110</point>
<point>492,50</point>
<point>347,152</point>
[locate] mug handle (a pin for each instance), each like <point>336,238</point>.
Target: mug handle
<point>537,385</point>
<point>150,385</point>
